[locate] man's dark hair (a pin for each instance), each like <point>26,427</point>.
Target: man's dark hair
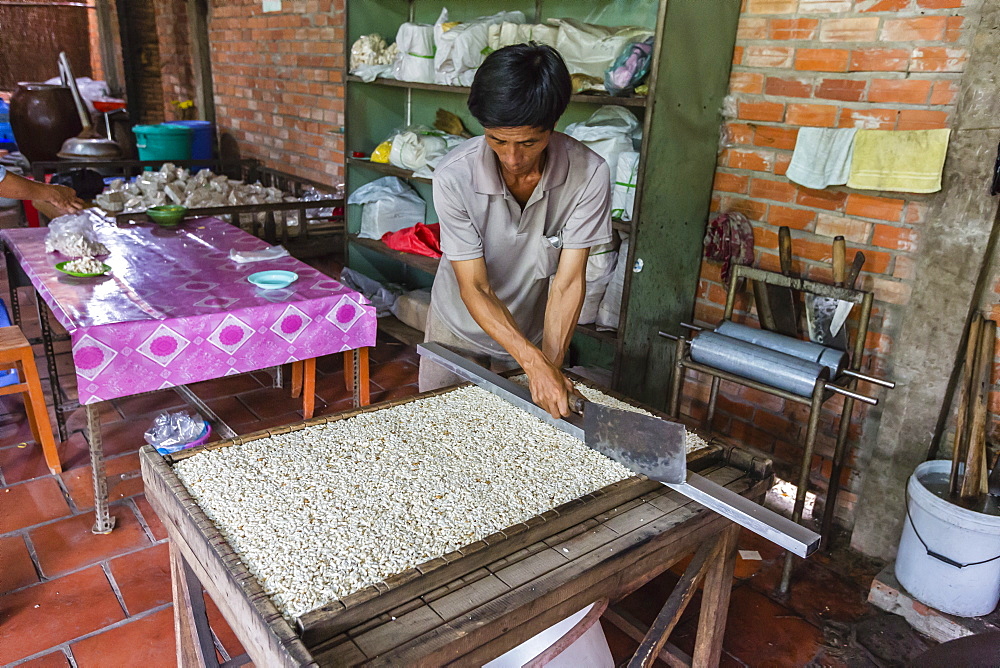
<point>522,85</point>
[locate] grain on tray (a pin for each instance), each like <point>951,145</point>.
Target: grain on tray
<point>323,512</point>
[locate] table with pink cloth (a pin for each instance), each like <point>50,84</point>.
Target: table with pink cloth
<point>175,309</point>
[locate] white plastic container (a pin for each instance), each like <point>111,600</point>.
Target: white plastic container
<point>964,578</point>
<point>575,642</point>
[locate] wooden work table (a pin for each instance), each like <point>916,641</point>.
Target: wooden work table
<point>483,601</point>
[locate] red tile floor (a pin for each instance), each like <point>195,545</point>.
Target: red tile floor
<point>69,597</point>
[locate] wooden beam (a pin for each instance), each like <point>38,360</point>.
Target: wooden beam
<point>201,59</point>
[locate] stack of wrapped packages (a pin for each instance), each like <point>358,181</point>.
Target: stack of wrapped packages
<point>600,58</point>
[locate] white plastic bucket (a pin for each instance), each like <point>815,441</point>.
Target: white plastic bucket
<point>949,557</point>
<point>574,642</point>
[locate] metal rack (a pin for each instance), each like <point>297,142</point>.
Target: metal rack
<point>845,383</point>
<point>262,220</point>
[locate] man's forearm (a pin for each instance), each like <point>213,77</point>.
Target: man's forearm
<point>561,315</point>
<point>493,316</point>
<point>17,187</point>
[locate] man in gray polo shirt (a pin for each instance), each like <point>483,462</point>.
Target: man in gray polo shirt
<point>519,210</point>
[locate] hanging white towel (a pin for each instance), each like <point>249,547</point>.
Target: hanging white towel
<point>822,157</point>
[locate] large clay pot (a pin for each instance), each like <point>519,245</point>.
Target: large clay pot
<point>42,117</point>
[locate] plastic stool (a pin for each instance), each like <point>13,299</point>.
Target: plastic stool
<point>16,353</point>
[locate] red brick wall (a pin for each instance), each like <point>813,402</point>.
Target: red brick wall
<point>880,64</point>
<point>175,56</point>
<point>278,81</point>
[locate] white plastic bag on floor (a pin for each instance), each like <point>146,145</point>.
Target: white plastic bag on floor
<point>609,312</point>
<point>610,131</point>
<point>389,205</point>
<point>415,60</point>
<point>600,268</point>
<point>591,49</point>
<point>623,189</point>
<point>462,48</point>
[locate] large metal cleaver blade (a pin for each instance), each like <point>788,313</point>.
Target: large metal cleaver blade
<point>648,445</point>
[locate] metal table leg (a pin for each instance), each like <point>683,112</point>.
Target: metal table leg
<point>50,360</point>
<point>103,523</point>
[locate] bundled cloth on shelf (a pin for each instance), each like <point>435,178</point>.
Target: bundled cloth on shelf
<point>504,34</point>
<point>462,48</point>
<point>600,268</point>
<point>609,312</point>
<point>909,161</point>
<point>608,132</point>
<point>822,157</point>
<point>388,204</point>
<point>415,59</point>
<point>623,190</point>
<point>591,49</point>
<point>420,240</point>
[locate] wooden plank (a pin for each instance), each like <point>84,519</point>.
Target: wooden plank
<point>262,631</point>
<point>420,262</point>
<point>715,601</point>
<point>457,602</point>
<point>670,614</point>
<point>530,568</point>
<point>191,630</point>
<point>670,654</point>
<point>324,622</point>
<point>594,98</point>
<point>201,58</point>
<point>388,635</point>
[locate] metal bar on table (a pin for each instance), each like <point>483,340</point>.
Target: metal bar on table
<point>55,385</point>
<point>103,522</point>
<point>727,503</point>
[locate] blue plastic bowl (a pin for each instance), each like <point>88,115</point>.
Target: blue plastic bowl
<point>273,279</point>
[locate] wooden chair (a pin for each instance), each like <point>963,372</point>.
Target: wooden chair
<point>355,369</point>
<point>16,354</point>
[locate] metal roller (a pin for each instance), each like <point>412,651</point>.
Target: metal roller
<point>834,360</point>
<point>755,362</point>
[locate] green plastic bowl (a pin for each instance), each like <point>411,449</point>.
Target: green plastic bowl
<point>168,214</point>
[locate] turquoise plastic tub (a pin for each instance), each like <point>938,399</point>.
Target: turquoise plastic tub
<point>163,142</point>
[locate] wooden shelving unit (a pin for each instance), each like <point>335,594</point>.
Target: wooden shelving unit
<point>586,98</point>
<point>680,117</point>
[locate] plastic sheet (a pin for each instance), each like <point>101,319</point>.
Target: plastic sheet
<point>420,240</point>
<point>623,189</point>
<point>591,49</point>
<point>630,68</point>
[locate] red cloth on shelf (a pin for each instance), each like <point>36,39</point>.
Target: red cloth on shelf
<point>420,239</point>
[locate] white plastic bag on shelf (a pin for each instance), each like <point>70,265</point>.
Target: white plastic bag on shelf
<point>462,48</point>
<point>427,171</point>
<point>609,131</point>
<point>415,60</point>
<point>591,49</point>
<point>600,269</point>
<point>623,189</point>
<point>609,312</point>
<point>412,149</point>
<point>389,205</point>
<point>504,34</point>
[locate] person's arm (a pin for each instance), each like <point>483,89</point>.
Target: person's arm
<point>549,388</point>
<point>569,287</point>
<point>61,197</point>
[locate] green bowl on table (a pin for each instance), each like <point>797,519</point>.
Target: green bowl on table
<point>61,266</point>
<point>167,215</point>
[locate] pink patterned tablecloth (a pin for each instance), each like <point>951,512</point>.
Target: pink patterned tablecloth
<point>174,309</point>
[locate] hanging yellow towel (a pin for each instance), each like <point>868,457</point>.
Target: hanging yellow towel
<point>906,161</point>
